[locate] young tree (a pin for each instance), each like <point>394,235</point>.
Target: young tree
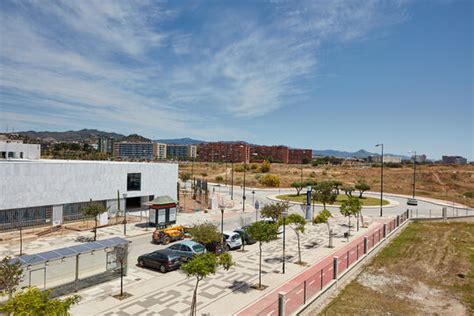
<point>270,180</point>
<point>349,207</point>
<point>362,186</point>
<point>32,301</point>
<point>203,265</point>
<point>297,223</point>
<point>11,274</point>
<point>323,217</point>
<point>337,184</point>
<point>298,186</point>
<point>324,193</point>
<point>348,189</point>
<point>274,210</point>
<point>206,233</point>
<point>262,232</point>
<point>185,176</point>
<point>94,209</point>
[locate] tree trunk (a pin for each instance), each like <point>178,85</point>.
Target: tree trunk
<point>95,229</point>
<point>349,225</point>
<point>194,300</point>
<point>329,234</point>
<point>260,265</point>
<point>299,247</point>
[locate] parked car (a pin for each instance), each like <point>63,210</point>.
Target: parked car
<point>187,249</point>
<point>412,201</point>
<point>244,235</point>
<point>271,221</point>
<point>214,247</point>
<point>163,260</point>
<point>232,240</point>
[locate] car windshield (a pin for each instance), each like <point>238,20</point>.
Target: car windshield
<point>198,248</point>
<point>235,237</point>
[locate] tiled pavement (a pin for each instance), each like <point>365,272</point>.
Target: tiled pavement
<point>175,298</point>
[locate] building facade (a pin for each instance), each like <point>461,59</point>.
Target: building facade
<point>181,152</point>
<point>105,145</point>
<point>454,160</point>
<point>296,156</point>
<point>161,151</point>
<point>16,149</point>
<point>386,159</point>
<point>139,150</point>
<point>51,192</point>
<point>224,152</point>
<point>271,153</point>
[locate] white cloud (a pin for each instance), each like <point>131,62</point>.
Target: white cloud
<point>96,61</point>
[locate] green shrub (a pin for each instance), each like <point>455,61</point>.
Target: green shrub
<point>469,194</point>
<point>265,167</point>
<point>219,179</point>
<point>270,180</point>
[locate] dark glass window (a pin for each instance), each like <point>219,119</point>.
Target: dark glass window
<point>134,181</point>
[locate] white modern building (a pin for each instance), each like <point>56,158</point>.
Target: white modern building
<point>386,159</point>
<point>51,192</point>
<point>16,149</point>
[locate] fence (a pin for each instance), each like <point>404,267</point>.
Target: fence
<point>322,276</point>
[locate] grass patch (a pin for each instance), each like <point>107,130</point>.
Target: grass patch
<point>426,269</point>
<point>367,201</point>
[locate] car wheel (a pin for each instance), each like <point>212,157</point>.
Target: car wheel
<point>163,268</point>
<point>141,263</point>
<point>227,247</point>
<point>166,241</point>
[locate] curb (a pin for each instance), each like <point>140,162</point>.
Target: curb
<point>392,203</point>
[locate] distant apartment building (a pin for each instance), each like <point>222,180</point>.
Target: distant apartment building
<point>270,153</point>
<point>454,160</point>
<point>222,151</point>
<point>386,159</point>
<point>105,145</point>
<point>138,150</point>
<point>161,151</point>
<point>296,156</point>
<point>185,152</point>
<point>419,158</point>
<point>16,149</point>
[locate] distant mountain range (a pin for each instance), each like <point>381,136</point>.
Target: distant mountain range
<point>180,141</point>
<point>91,135</point>
<point>361,153</point>
<point>70,136</point>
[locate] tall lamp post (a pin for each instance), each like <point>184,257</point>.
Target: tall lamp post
<point>414,172</point>
<point>243,192</point>
<point>222,227</point>
<point>284,214</point>
<point>381,178</point>
<point>125,214</point>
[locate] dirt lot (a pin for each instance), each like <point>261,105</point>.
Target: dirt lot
<point>427,269</point>
<point>436,181</point>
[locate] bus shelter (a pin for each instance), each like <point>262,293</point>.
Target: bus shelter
<point>69,269</point>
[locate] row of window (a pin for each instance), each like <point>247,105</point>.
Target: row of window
<point>11,154</point>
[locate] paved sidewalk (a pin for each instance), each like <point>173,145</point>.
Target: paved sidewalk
<point>222,294</point>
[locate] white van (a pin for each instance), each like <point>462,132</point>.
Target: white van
<point>232,240</point>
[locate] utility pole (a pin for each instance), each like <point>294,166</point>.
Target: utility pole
<point>381,179</point>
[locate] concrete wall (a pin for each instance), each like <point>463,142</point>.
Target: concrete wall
<point>30,151</point>
<point>55,182</point>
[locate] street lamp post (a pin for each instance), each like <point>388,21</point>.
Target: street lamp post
<point>192,173</point>
<point>301,174</point>
<point>222,227</point>
<point>284,214</point>
<point>381,179</point>
<point>253,197</point>
<point>414,172</point>
<point>243,193</point>
<point>232,180</point>
<point>125,214</point>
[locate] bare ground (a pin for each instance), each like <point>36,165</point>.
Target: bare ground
<point>427,270</point>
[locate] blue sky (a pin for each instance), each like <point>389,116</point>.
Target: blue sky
<point>316,74</point>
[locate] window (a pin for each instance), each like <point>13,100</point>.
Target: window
<point>174,247</point>
<point>134,181</point>
<point>21,154</point>
<point>198,248</point>
<point>185,248</point>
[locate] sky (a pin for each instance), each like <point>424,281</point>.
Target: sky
<point>314,74</point>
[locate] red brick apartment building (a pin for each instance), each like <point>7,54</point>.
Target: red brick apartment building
<point>271,153</point>
<point>300,155</point>
<point>224,152</point>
